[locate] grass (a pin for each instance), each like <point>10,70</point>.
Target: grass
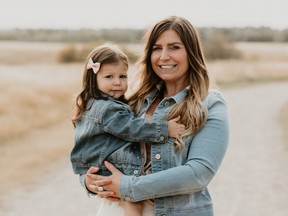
<point>28,107</point>
<point>21,53</point>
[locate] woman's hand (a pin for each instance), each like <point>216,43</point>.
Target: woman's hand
<point>110,184</point>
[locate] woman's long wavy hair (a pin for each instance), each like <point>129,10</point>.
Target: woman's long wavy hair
<point>191,109</point>
<point>107,53</point>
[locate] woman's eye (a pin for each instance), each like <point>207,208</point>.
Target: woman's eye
<point>174,47</point>
<point>156,48</point>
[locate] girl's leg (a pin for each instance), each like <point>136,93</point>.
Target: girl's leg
<point>133,209</point>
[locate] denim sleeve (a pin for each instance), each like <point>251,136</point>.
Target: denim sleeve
<point>204,157</point>
<point>124,124</point>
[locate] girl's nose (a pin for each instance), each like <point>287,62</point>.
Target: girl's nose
<point>117,82</point>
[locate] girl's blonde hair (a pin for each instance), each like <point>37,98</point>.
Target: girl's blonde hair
<point>107,53</point>
<point>192,111</point>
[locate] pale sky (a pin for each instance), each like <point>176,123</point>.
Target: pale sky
<point>97,14</point>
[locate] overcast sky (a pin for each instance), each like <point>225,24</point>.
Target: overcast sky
<point>140,13</point>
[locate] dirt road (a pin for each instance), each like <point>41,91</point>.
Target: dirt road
<point>252,180</point>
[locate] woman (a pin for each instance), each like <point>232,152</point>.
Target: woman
<point>173,82</point>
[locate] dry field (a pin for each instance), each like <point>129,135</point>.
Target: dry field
<point>262,62</point>
<point>36,98</point>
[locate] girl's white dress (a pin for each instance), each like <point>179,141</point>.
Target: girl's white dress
<point>108,208</point>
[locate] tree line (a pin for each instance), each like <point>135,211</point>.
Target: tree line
<point>247,34</point>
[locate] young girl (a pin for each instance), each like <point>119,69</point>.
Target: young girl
<point>105,125</point>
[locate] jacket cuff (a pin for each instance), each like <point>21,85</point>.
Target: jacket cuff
<point>126,189</point>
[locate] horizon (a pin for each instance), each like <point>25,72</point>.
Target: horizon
<point>131,28</point>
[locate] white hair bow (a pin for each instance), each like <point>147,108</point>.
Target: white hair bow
<point>94,66</point>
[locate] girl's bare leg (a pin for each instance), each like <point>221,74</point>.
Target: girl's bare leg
<point>133,209</point>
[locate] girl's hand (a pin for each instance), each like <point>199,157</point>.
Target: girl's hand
<point>174,128</point>
<point>110,184</point>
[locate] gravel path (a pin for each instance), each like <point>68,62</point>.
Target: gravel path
<point>253,178</point>
<point>251,181</point>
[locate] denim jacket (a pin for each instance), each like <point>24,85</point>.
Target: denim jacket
<point>178,182</point>
<point>109,130</point>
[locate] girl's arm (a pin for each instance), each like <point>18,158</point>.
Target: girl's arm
<point>123,123</point>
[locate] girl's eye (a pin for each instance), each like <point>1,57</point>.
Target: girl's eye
<point>108,76</point>
<point>123,76</point>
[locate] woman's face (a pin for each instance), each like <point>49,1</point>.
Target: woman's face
<point>169,58</point>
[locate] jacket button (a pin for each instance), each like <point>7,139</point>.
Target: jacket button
<point>162,138</point>
<point>158,156</point>
<point>135,172</point>
<point>127,198</point>
<point>166,103</point>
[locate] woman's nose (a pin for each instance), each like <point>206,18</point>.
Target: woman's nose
<point>165,54</point>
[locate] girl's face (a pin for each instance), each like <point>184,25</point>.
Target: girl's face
<point>169,58</point>
<point>112,79</point>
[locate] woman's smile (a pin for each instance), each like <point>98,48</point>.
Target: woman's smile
<point>167,67</point>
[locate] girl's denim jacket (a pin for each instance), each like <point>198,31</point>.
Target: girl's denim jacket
<point>106,132</point>
<point>178,182</point>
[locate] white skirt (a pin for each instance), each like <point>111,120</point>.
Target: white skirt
<point>108,208</point>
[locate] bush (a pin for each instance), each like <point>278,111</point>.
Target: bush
<point>215,46</point>
<point>75,52</point>
<point>68,54</point>
<point>79,52</point>
<point>132,56</point>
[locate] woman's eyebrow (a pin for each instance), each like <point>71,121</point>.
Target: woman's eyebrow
<point>175,43</point>
<point>169,44</point>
